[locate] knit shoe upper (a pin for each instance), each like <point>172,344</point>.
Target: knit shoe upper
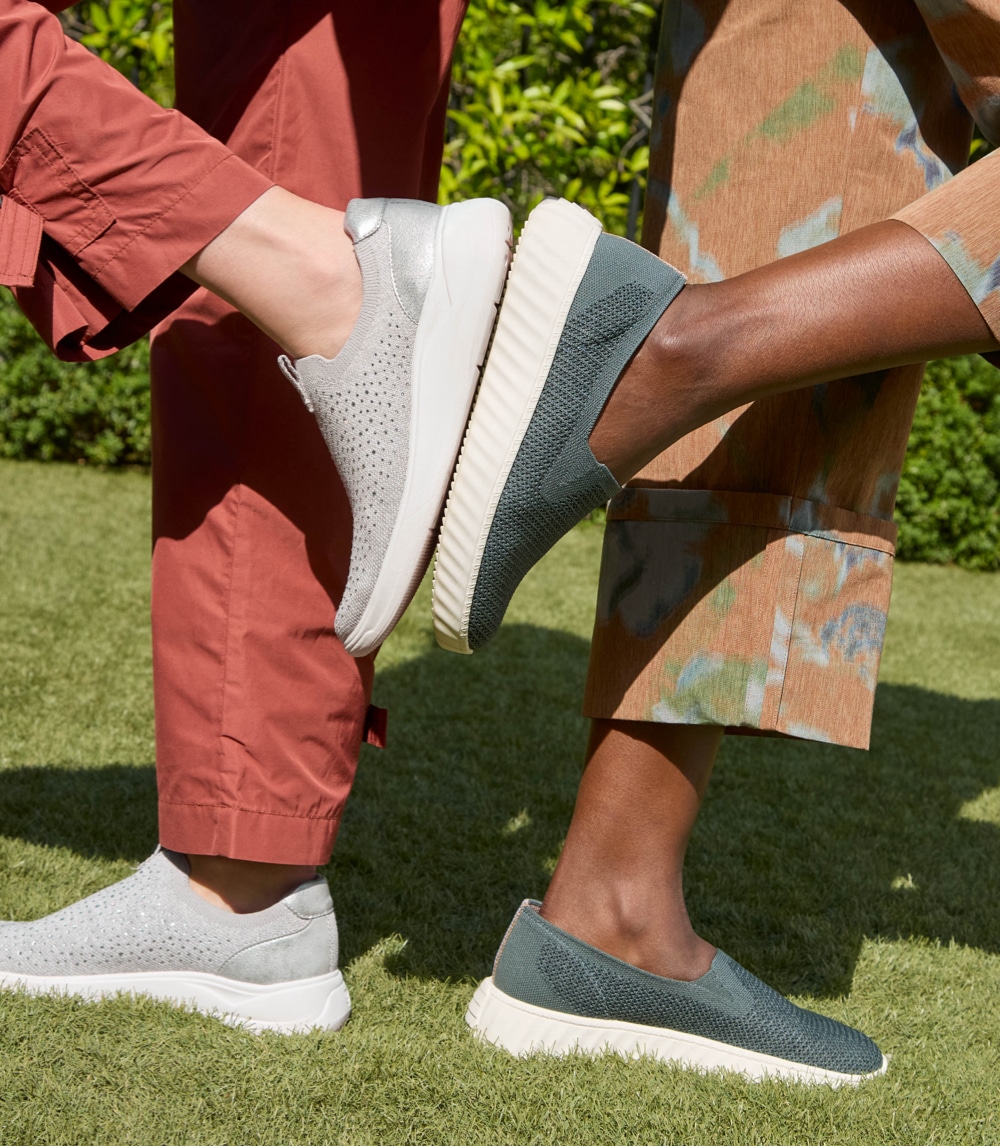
<point>393,404</point>
<point>361,398</point>
<point>544,968</point>
<point>154,921</point>
<point>152,934</point>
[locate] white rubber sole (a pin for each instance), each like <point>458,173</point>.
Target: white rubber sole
<point>287,1008</point>
<point>524,1029</point>
<point>472,253</point>
<point>552,256</point>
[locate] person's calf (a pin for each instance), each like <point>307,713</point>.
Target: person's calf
<point>618,884</point>
<point>876,298</point>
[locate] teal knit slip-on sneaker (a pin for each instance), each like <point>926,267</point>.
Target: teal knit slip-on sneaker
<point>393,404</point>
<point>578,305</point>
<point>553,994</point>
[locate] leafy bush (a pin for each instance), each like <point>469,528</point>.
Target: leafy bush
<point>134,36</point>
<point>948,507</point>
<point>553,99</point>
<point>54,411</point>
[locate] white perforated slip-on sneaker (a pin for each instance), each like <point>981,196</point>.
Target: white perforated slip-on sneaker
<point>152,934</point>
<point>393,404</point>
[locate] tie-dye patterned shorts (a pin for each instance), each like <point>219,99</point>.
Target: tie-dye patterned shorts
<point>746,572</point>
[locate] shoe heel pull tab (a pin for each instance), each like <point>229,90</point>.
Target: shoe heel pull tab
<point>363,218</point>
<point>289,371</point>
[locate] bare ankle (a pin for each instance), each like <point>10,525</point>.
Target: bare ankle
<point>243,886</point>
<point>657,938</point>
<point>661,394</point>
<point>288,265</point>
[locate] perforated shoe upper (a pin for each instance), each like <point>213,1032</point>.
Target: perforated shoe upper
<point>362,397</point>
<point>154,921</point>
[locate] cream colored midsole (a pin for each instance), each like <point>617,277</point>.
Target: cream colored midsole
<point>524,1029</point>
<point>552,257</point>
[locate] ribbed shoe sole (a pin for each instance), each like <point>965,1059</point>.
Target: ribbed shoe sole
<point>472,248</point>
<point>302,1005</point>
<point>523,1029</point>
<point>551,259</point>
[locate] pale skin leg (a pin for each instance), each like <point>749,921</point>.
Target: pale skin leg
<point>289,266</point>
<point>879,297</point>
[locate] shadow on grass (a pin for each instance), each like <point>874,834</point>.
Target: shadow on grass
<point>802,851</point>
<point>107,811</point>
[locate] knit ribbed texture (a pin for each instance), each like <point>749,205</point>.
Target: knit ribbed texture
<point>544,966</point>
<point>555,480</point>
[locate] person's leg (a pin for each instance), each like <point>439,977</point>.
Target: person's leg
<point>105,232</point>
<point>619,881</point>
<point>745,582</point>
<point>247,631</point>
<point>104,194</point>
<point>288,264</point>
<point>877,298</point>
<point>260,711</point>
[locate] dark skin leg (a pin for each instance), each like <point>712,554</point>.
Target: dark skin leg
<point>876,298</point>
<point>618,884</point>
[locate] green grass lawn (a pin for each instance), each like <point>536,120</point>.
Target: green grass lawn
<point>865,885</point>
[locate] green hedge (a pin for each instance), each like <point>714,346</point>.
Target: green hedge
<point>54,411</point>
<point>949,498</point>
<point>948,507</point>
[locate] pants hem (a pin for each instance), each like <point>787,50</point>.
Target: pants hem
<point>239,833</point>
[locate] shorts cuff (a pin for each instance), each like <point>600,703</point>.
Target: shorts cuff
<point>759,613</point>
<point>956,219</point>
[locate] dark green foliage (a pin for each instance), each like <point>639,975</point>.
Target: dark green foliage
<point>949,497</point>
<point>54,411</point>
<point>553,99</point>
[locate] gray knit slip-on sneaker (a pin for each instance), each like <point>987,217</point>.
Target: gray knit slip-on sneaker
<point>553,994</point>
<point>578,305</point>
<point>393,404</point>
<point>152,934</point>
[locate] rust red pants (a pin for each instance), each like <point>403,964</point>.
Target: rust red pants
<point>260,713</point>
<point>126,191</point>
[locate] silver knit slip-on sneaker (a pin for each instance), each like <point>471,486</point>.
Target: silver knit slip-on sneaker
<point>550,993</point>
<point>152,934</point>
<point>393,404</point>
<point>578,305</point>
